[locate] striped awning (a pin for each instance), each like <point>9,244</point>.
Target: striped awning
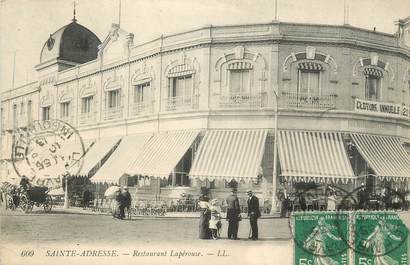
<point>126,153</point>
<point>181,70</point>
<point>162,153</point>
<point>96,153</point>
<point>310,66</point>
<point>313,156</point>
<point>373,72</point>
<point>229,154</point>
<point>385,155</point>
<point>240,66</point>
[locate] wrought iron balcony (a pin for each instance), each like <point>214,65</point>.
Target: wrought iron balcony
<point>308,101</point>
<point>242,101</point>
<point>180,103</point>
<point>113,113</point>
<point>87,118</point>
<point>68,119</point>
<point>140,108</point>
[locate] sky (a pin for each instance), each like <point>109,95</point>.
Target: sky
<point>25,25</point>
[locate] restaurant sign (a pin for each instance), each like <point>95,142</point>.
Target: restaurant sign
<point>381,108</point>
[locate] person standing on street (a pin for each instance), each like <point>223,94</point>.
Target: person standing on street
<point>119,198</point>
<point>86,198</point>
<point>127,200</point>
<point>253,213</point>
<point>233,214</point>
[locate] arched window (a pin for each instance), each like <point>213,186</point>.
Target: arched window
<point>181,93</point>
<point>309,78</point>
<point>240,78</point>
<point>372,87</point>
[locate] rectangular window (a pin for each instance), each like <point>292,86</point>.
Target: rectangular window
<point>114,99</point>
<point>372,87</point>
<point>46,113</point>
<point>29,114</point>
<point>141,93</point>
<point>239,82</point>
<point>309,83</point>
<point>65,110</point>
<point>87,104</point>
<point>182,86</point>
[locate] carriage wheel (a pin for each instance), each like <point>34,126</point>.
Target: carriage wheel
<point>25,204</point>
<point>48,204</point>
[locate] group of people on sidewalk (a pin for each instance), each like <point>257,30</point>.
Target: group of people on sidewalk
<point>210,219</point>
<point>122,201</point>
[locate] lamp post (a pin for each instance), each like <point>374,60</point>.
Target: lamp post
<point>275,153</point>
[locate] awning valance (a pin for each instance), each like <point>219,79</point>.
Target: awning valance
<point>127,151</point>
<point>181,70</point>
<point>373,72</point>
<point>313,156</point>
<point>96,153</point>
<point>229,154</point>
<point>162,153</point>
<point>385,155</point>
<point>310,66</point>
<point>240,66</point>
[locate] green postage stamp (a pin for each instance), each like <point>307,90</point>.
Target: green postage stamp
<point>321,238</point>
<point>380,238</point>
<point>344,238</point>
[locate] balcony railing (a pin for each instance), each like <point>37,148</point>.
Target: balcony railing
<point>180,103</point>
<point>87,118</point>
<point>308,101</point>
<point>240,100</point>
<point>113,113</point>
<point>142,108</point>
<point>68,119</point>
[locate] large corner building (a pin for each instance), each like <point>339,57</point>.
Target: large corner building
<point>200,108</point>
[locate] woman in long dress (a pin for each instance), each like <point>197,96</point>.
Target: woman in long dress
<point>205,216</point>
<point>331,201</point>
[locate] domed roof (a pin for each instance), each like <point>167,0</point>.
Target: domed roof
<point>73,43</point>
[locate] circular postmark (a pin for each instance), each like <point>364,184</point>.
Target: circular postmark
<point>316,233</point>
<point>47,151</point>
<point>376,231</point>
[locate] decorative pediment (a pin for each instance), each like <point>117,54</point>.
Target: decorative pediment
<point>65,95</point>
<point>143,74</point>
<point>88,88</point>
<point>310,53</point>
<point>113,82</point>
<point>47,99</point>
<point>116,45</point>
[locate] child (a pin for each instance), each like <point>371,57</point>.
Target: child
<point>215,222</point>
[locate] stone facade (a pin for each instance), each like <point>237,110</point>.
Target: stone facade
<point>272,53</point>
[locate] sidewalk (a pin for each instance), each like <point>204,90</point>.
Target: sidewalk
<point>88,211</point>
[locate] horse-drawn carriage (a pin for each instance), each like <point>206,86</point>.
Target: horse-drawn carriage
<point>25,199</point>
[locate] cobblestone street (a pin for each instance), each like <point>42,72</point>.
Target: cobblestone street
<point>47,234</point>
<point>75,228</point>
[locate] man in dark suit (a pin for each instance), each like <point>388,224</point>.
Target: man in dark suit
<point>233,214</point>
<point>253,213</point>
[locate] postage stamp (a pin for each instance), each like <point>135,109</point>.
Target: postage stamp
<point>379,238</point>
<point>47,151</point>
<point>318,238</point>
